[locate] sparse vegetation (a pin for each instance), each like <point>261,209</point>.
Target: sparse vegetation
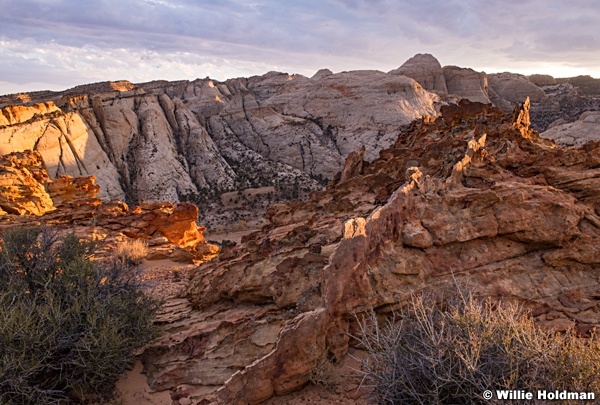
<point>69,326</point>
<point>323,372</point>
<point>451,352</point>
<point>131,251</point>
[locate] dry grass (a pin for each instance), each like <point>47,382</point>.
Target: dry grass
<point>322,373</point>
<point>452,352</point>
<point>131,251</point>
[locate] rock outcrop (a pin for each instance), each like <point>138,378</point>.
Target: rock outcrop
<point>164,141</point>
<point>22,179</point>
<point>467,83</point>
<point>29,197</point>
<point>514,88</point>
<point>200,141</point>
<point>475,196</point>
<point>426,70</point>
<point>551,99</point>
<point>585,129</point>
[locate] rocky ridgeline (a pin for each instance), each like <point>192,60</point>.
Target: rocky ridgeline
<point>174,141</point>
<point>277,136</point>
<point>553,101</point>
<point>474,196</point>
<point>29,197</point>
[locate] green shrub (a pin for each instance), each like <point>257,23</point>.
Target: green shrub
<point>451,352</point>
<point>69,327</point>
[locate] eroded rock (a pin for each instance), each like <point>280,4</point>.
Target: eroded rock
<point>491,204</point>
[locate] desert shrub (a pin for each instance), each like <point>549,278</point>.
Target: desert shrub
<point>322,373</point>
<point>69,327</point>
<point>131,251</point>
<point>453,351</point>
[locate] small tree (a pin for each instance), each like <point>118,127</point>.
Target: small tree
<point>69,326</point>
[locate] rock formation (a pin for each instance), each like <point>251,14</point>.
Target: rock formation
<point>585,129</point>
<point>515,88</point>
<point>551,99</point>
<point>29,197</point>
<point>426,70</point>
<point>474,196</point>
<point>22,179</point>
<point>467,83</point>
<point>276,136</point>
<point>175,141</point>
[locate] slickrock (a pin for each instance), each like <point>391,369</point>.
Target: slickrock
<point>585,129</point>
<point>474,196</point>
<point>426,70</point>
<point>542,80</point>
<point>467,83</point>
<point>174,141</point>
<point>514,88</point>
<point>201,140</point>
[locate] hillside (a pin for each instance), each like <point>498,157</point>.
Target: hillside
<point>474,196</point>
<point>236,147</point>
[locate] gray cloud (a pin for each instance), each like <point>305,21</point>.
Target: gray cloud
<point>70,41</point>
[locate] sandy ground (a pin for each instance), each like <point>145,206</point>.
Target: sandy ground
<point>166,279</point>
<point>134,390</point>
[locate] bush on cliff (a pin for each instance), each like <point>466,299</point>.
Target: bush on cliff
<point>68,326</point>
<point>452,352</point>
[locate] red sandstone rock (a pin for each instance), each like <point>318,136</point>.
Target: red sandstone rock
<point>71,204</point>
<point>472,196</point>
<point>22,179</point>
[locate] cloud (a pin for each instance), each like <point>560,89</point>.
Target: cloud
<point>70,42</point>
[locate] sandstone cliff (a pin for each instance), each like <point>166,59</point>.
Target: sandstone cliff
<point>474,195</point>
<point>196,140</point>
<point>270,138</point>
<point>551,98</point>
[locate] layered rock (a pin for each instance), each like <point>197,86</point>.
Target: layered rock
<point>467,83</point>
<point>474,197</point>
<point>29,197</point>
<point>166,141</point>
<point>22,179</point>
<point>552,99</point>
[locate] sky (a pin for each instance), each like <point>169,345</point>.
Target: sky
<point>57,44</point>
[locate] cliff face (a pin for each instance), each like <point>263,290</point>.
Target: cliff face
<point>277,136</point>
<point>195,140</point>
<point>474,196</point>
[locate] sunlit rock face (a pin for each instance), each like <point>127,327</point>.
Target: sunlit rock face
<point>475,197</point>
<point>28,197</point>
<point>163,141</point>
